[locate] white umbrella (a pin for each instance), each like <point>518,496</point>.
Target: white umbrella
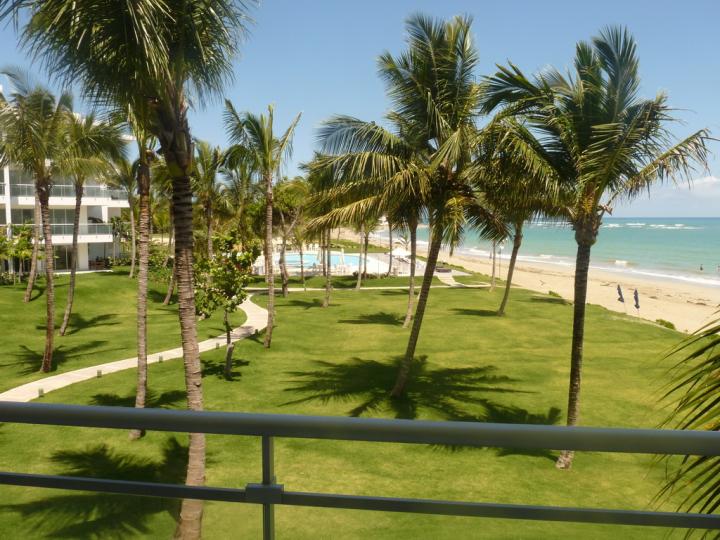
<point>400,252</point>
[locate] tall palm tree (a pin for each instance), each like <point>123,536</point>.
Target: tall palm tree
<point>593,133</point>
<point>255,134</point>
<point>207,185</point>
<point>149,56</point>
<point>33,122</point>
<point>91,145</point>
<point>435,103</point>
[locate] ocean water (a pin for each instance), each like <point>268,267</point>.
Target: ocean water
<point>685,249</point>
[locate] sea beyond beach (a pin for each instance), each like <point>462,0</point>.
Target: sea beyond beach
<point>674,263</point>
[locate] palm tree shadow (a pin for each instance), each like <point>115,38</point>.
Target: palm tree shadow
<point>381,317</point>
<point>152,399</point>
<point>218,369</point>
<point>454,394</point>
<point>78,322</point>
<point>99,515</point>
<point>307,304</point>
<point>476,312</point>
<point>31,359</point>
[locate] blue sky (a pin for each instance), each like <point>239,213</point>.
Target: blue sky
<point>318,58</point>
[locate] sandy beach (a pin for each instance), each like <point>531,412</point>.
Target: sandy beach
<point>687,305</point>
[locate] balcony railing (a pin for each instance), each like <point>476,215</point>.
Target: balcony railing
<point>84,228</point>
<point>268,492</point>
<point>28,190</point>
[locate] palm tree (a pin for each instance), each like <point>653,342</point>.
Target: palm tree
<point>148,56</point>
<point>600,141</point>
<point>693,396</point>
<point>436,102</point>
<point>206,184</point>
<point>123,175</point>
<point>255,134</point>
<point>290,199</point>
<point>90,146</point>
<point>33,122</point>
<point>35,251</point>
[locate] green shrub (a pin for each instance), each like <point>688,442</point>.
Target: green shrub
<point>666,324</point>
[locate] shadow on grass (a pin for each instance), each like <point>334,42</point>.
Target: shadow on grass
<point>397,292</point>
<point>99,515</point>
<point>31,359</point>
<point>381,317</point>
<point>307,304</point>
<point>476,312</point>
<point>550,300</point>
<point>217,368</point>
<point>158,297</point>
<point>78,322</point>
<point>455,394</point>
<point>152,400</point>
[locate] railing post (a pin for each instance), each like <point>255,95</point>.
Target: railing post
<point>268,478</point>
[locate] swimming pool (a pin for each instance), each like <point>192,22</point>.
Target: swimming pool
<point>346,263</point>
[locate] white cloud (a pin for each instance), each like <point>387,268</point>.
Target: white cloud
<point>701,198</point>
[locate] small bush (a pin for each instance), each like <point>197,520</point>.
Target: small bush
<point>6,278</point>
<point>666,324</point>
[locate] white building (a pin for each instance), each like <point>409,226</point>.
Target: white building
<point>99,205</point>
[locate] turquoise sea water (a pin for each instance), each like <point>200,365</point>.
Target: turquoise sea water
<point>672,248</point>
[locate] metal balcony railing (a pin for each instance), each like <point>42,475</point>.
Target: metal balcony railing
<point>61,190</point>
<point>268,492</point>
<point>83,229</point>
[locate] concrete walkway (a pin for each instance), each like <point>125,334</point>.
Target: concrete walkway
<point>256,321</point>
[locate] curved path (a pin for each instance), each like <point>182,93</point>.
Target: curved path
<point>256,321</point>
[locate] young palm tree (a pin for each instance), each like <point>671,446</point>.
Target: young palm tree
<point>207,186</point>
<point>35,251</point>
<point>90,146</point>
<point>33,123</point>
<point>693,395</point>
<point>123,175</point>
<point>290,199</point>
<point>149,55</point>
<point>601,142</point>
<point>255,134</point>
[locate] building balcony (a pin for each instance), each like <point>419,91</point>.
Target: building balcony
<point>64,195</point>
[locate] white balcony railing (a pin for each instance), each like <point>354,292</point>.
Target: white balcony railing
<point>101,192</point>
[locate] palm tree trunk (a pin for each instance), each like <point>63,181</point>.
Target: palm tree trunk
<point>517,241</point>
<point>492,280</point>
<point>43,191</point>
<point>132,237</point>
<point>144,253</point>
<point>73,261</point>
<point>328,276</point>
<point>411,289</point>
<point>389,272</point>
<point>230,346</point>
<point>365,252</point>
<point>269,275</point>
<point>36,248</point>
<point>302,267</point>
<point>283,267</point>
<point>171,287</point>
<point>208,217</point>
<point>582,265</point>
<point>406,364</point>
<point>177,148</point>
<point>170,239</point>
<point>360,253</point>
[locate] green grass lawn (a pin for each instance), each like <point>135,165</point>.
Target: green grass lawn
<point>341,361</point>
<point>344,282</point>
<point>102,329</point>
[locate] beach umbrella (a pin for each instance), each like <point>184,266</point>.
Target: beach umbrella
<point>637,300</point>
<point>400,252</point>
<point>621,298</point>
